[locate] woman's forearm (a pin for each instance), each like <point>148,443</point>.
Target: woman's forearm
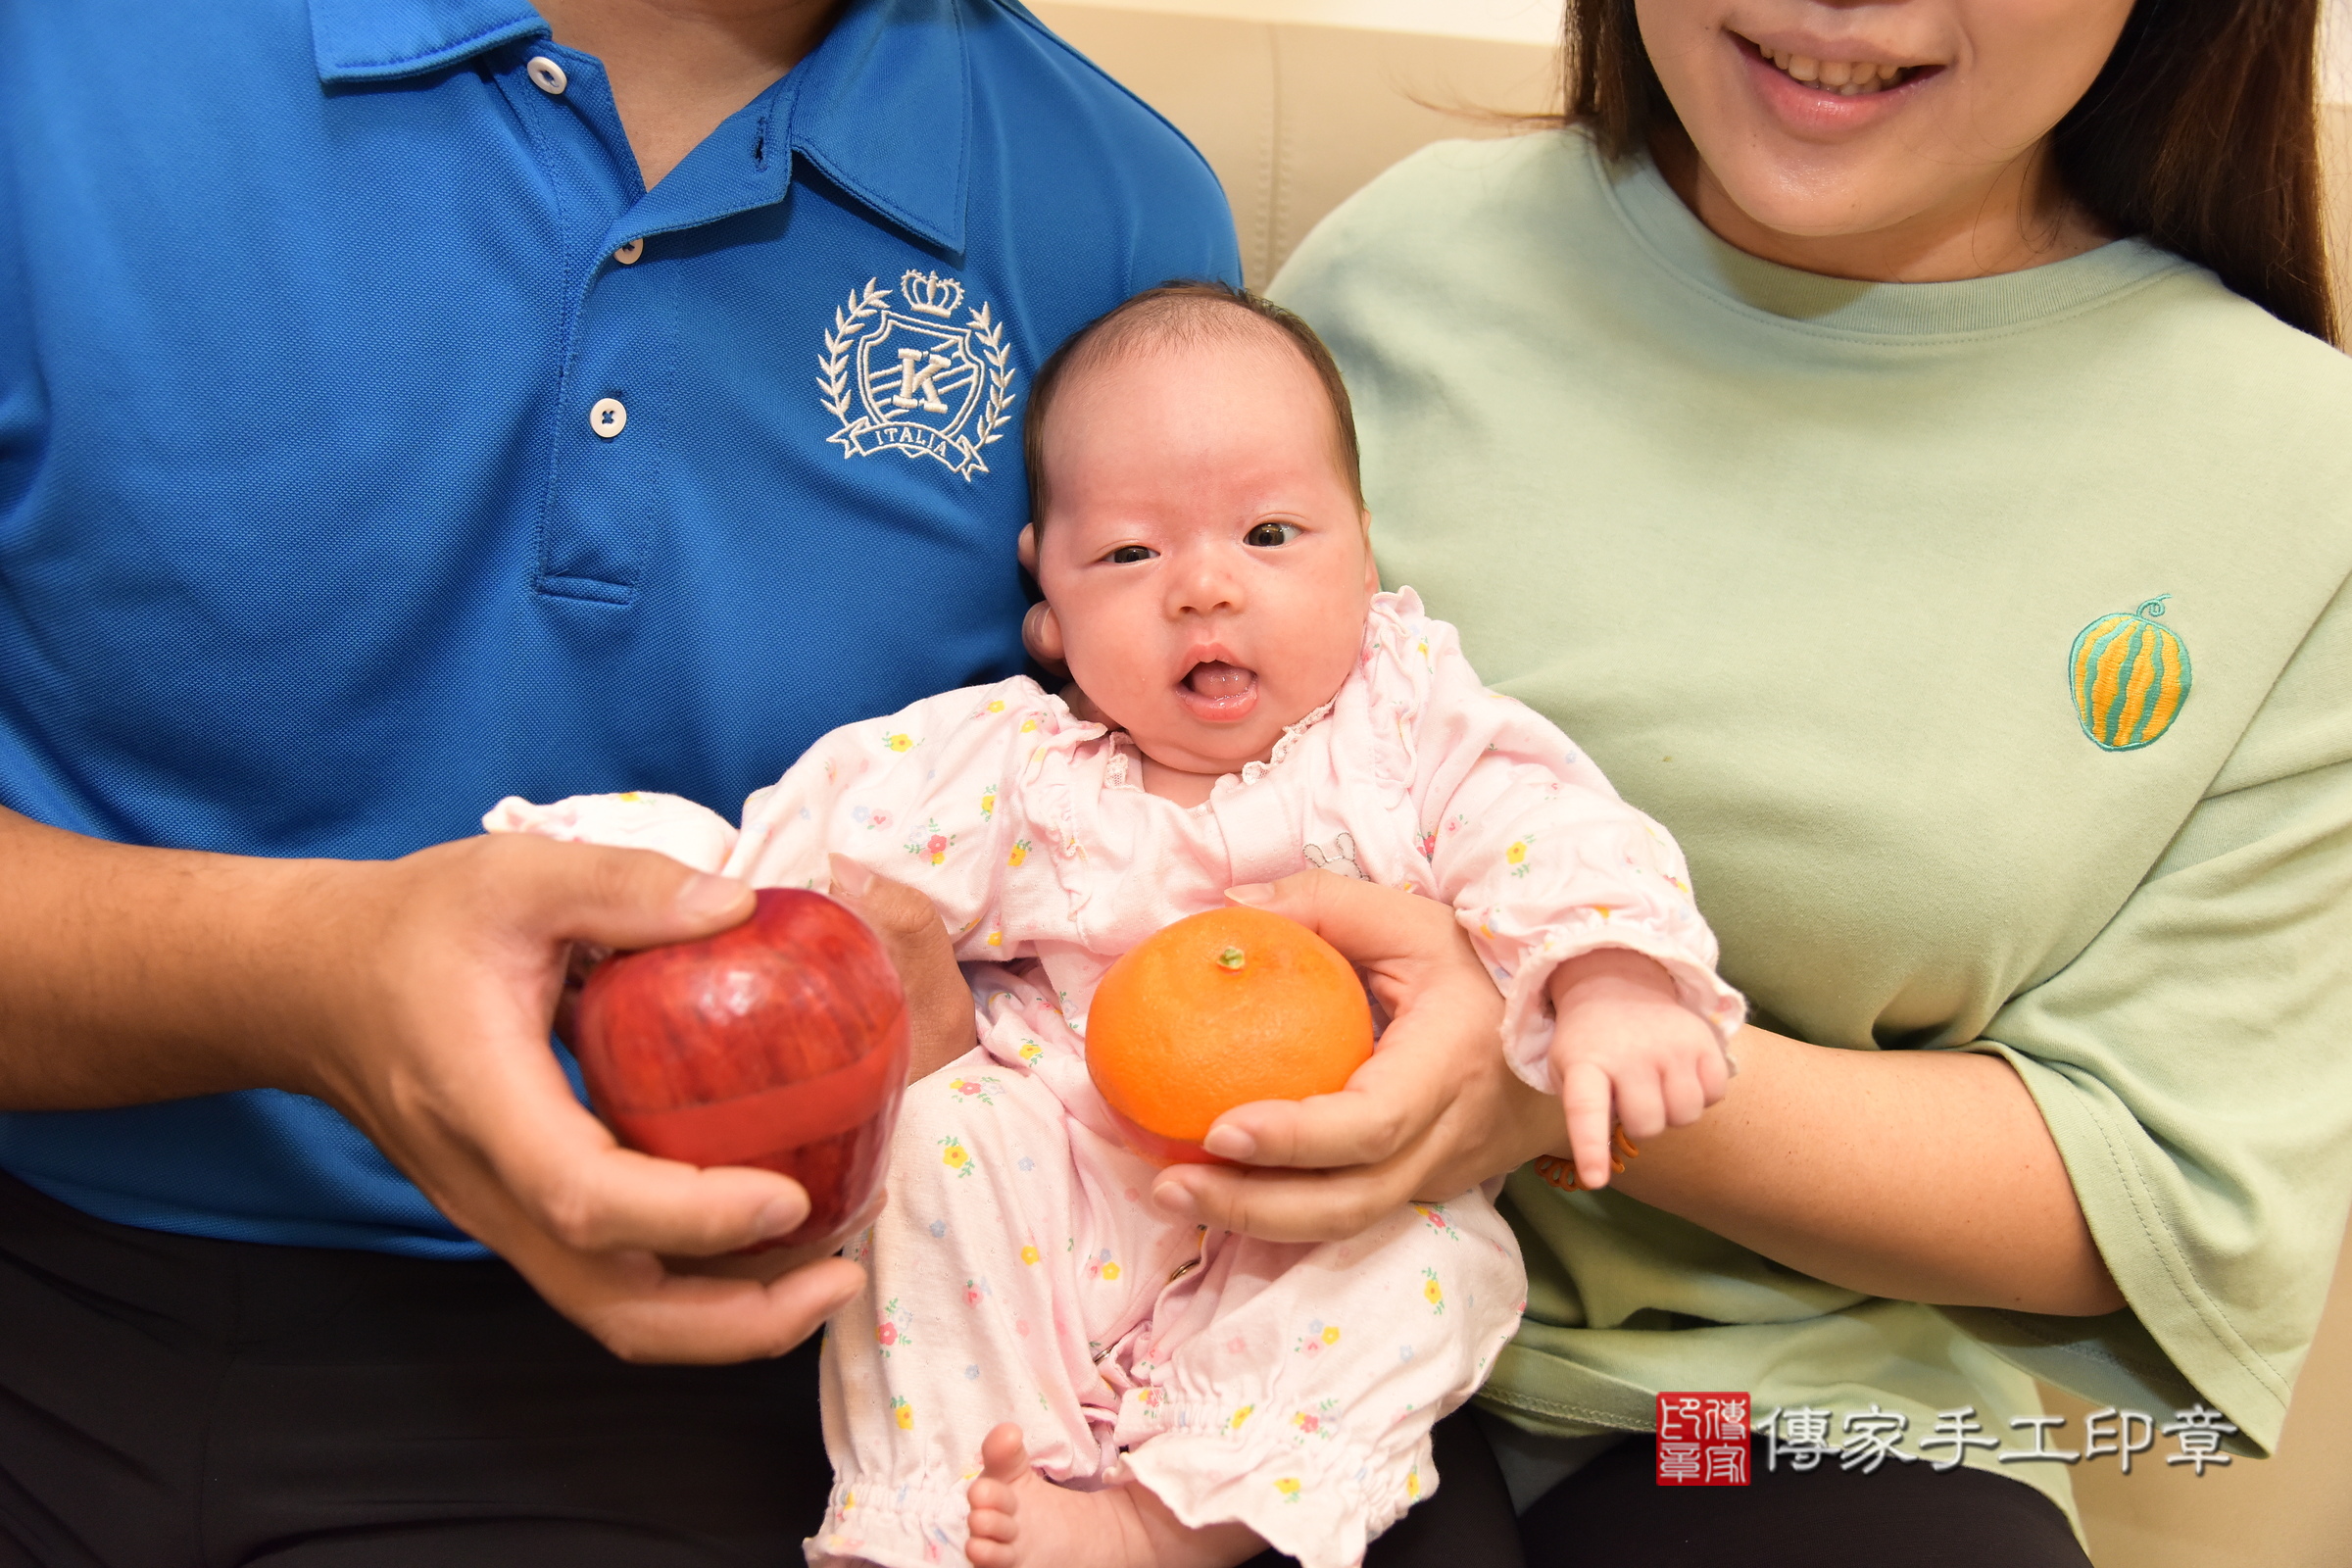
<point>1923,1175</point>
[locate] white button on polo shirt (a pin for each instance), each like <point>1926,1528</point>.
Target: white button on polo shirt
<point>546,75</point>
<point>627,255</point>
<point>608,417</point>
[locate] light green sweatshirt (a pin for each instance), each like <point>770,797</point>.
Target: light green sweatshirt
<point>1987,647</point>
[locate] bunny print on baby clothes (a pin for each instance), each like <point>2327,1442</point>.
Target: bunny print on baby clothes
<point>1339,859</point>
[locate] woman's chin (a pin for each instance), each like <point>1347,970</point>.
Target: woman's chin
<point>1791,210</point>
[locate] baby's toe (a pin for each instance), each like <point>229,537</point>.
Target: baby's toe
<point>1004,1455</point>
<point>996,1503</point>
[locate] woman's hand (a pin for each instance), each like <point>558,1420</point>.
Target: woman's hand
<point>1434,1112</point>
<point>1925,1175</point>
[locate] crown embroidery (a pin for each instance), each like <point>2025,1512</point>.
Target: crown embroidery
<point>930,293</point>
<point>906,376</point>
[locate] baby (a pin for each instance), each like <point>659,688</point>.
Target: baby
<point>1043,1369</point>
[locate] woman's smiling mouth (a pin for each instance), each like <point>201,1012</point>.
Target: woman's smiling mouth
<point>1847,79</point>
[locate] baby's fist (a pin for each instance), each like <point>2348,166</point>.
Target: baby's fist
<point>1627,1050</point>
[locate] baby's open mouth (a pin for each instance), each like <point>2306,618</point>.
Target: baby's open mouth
<point>1849,78</point>
<point>1216,689</point>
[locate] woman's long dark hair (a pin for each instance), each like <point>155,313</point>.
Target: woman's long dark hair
<point>2201,135</point>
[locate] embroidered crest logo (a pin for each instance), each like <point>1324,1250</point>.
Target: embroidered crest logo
<point>907,376</point>
<point>2129,677</point>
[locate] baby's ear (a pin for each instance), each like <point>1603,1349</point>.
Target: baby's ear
<point>1026,549</point>
<point>1371,565</point>
<point>1041,634</point>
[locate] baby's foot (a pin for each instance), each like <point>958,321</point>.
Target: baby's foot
<point>1021,1520</point>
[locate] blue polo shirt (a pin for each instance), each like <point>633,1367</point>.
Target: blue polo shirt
<point>374,444</point>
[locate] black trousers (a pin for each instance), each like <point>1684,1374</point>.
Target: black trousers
<point>1613,1513</point>
<point>168,1401</point>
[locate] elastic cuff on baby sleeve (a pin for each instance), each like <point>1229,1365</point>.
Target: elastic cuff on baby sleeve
<point>919,1524</point>
<point>634,819</point>
<point>1527,1020</point>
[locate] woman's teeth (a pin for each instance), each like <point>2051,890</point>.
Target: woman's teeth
<point>1849,78</point>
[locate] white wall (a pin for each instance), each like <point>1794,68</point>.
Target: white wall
<point>2336,65</point>
<point>1539,22</point>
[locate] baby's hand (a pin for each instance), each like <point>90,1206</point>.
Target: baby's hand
<point>1623,1041</point>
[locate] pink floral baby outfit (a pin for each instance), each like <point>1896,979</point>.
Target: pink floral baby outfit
<point>1018,1272</point>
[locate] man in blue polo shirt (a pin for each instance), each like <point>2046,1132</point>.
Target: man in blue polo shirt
<point>402,404</point>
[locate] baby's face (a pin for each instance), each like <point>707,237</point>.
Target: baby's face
<point>1202,551</point>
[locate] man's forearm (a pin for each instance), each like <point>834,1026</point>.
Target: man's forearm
<point>413,996</point>
<point>1921,1175</point>
<point>129,975</point>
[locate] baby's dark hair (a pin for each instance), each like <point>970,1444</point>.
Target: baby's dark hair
<point>1184,312</point>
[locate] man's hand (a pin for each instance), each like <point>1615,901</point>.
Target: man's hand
<point>1434,1112</point>
<point>939,1004</point>
<point>438,1053</point>
<point>416,997</point>
<point>1623,1043</point>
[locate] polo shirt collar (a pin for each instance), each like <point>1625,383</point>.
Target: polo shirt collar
<point>380,40</point>
<point>883,106</point>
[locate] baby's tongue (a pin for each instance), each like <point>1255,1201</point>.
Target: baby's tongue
<point>1216,679</point>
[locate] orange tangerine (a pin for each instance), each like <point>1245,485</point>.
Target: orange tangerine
<point>1217,1010</point>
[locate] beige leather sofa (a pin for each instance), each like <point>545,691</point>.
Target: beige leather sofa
<point>1294,117</point>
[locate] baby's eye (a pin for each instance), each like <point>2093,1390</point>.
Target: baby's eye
<point>1268,535</point>
<point>1129,555</point>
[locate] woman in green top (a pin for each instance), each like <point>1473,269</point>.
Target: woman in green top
<point>1900,443</point>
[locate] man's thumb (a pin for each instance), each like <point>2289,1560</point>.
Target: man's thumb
<point>625,899</point>
<point>899,915</point>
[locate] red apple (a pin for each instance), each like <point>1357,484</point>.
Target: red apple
<point>780,1043</point>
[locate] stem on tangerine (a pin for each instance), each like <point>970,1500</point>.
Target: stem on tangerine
<point>1231,958</point>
